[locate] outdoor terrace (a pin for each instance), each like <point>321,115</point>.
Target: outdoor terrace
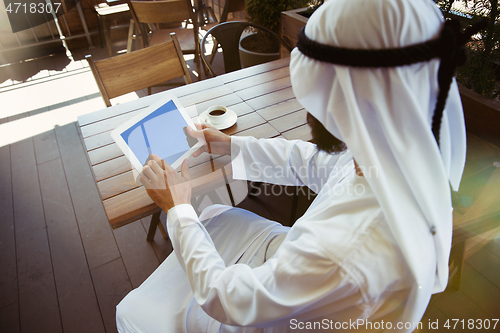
<point>62,268</point>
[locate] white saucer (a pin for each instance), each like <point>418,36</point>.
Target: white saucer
<point>230,120</point>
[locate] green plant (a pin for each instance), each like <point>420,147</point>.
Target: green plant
<point>482,70</point>
<point>268,12</point>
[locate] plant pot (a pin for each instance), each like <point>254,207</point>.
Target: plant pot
<point>250,58</point>
<point>291,23</point>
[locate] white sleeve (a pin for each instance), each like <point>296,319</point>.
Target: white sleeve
<point>299,282</point>
<point>284,162</point>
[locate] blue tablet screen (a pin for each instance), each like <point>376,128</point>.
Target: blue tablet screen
<point>162,132</point>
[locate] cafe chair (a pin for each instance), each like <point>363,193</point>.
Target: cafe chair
<point>155,21</point>
<point>140,69</point>
<point>106,12</point>
<point>230,7</point>
<point>228,36</point>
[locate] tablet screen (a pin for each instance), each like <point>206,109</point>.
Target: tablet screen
<point>162,132</point>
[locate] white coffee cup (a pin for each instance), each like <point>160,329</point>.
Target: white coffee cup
<point>217,114</point>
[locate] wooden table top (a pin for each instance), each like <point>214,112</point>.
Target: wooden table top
<point>262,97</point>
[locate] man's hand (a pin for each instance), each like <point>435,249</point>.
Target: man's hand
<point>164,185</point>
<point>217,142</point>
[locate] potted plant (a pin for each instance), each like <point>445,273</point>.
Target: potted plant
<point>266,13</point>
<point>292,21</point>
<point>479,78</point>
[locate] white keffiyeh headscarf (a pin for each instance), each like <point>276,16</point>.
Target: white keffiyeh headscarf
<point>384,116</point>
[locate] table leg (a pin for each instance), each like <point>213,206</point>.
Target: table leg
<point>155,220</point>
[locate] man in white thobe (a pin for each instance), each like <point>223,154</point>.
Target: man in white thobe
<point>374,244</point>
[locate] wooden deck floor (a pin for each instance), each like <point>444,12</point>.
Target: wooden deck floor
<point>62,268</point>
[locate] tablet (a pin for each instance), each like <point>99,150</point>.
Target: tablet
<point>159,129</point>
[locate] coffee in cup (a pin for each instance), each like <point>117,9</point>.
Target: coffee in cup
<point>217,114</point>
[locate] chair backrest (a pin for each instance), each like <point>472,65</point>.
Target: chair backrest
<point>139,69</point>
<point>157,12</point>
<point>232,6</point>
<point>228,35</point>
<point>164,11</point>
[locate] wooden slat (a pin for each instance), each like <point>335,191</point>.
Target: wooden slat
<point>46,147</point>
<point>245,122</point>
<point>205,95</point>
<point>254,70</point>
<point>270,99</point>
<point>480,290</point>
<point>259,79</point>
<point>107,124</point>
<point>300,133</point>
<point>289,121</point>
<point>264,88</point>
<point>104,154</point>
<point>118,184</point>
<point>98,241</point>
<point>118,109</point>
<point>198,86</point>
<point>454,304</point>
<point>262,131</point>
<point>9,318</point>
<point>111,285</point>
<point>78,304</point>
<point>99,140</point>
<point>226,100</point>
<point>138,256</point>
<point>8,273</point>
<point>111,168</point>
<point>280,109</point>
<point>39,308</point>
<point>240,108</point>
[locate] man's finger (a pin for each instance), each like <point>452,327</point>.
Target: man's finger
<point>185,170</point>
<point>199,152</point>
<point>145,181</point>
<point>156,168</point>
<point>146,171</point>
<point>195,134</point>
<point>201,126</point>
<point>168,168</point>
<point>159,161</point>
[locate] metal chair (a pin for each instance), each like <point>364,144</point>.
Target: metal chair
<point>228,36</point>
<point>166,17</point>
<point>230,6</point>
<point>140,69</point>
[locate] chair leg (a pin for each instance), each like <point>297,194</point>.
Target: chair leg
<point>131,31</point>
<point>214,51</point>
<point>107,35</point>
<point>100,25</point>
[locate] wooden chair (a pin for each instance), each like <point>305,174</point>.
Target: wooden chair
<point>164,17</point>
<point>139,69</point>
<point>105,13</point>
